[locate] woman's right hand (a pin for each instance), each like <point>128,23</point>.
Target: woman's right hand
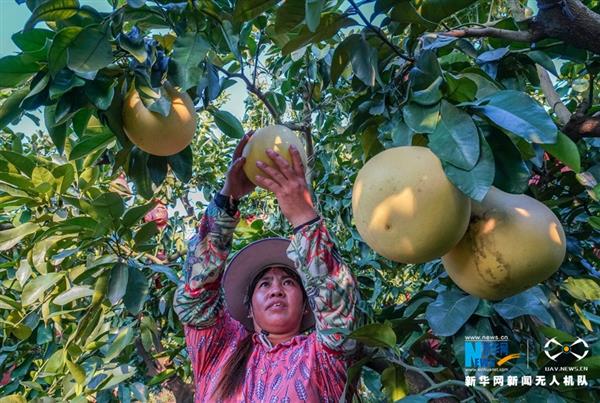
<point>237,183</point>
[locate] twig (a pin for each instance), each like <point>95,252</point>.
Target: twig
<point>399,361</point>
<point>491,10</point>
<point>519,36</point>
<point>516,10</point>
<point>256,58</point>
<point>187,205</point>
<point>552,97</point>
<point>591,90</point>
<point>253,89</point>
<point>379,33</point>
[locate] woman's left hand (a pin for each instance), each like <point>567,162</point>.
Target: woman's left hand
<point>289,185</point>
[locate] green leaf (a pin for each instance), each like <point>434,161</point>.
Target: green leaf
<point>341,57</point>
<point>277,101</point>
<point>122,340</point>
<point>394,383</point>
<point>437,10</point>
<point>158,379</point>
<point>34,289</point>
<point>90,143</point>
<point>77,372</point>
<point>375,335</point>
<point>90,51</point>
<point>565,150</point>
<point>21,162</point>
<point>17,180</point>
<point>64,81</point>
<point>108,206</point>
<point>289,15</point>
<point>134,214</point>
<point>101,93</point>
<point>430,95</point>
<point>543,60</point>
<point>117,286</point>
<point>57,56</point>
<point>13,399</point>
<point>313,14</point>
<point>42,179</point>
<point>405,13</point>
<point>73,293</point>
<point>81,120</point>
<point>455,139</point>
<point>58,133</point>
<point>51,11</point>
<point>364,60</point>
<point>188,51</point>
<point>476,182</point>
<point>136,292</point>
<point>11,237</point>
<point>65,176</point>
<point>331,24</point>
<point>460,88</point>
<point>421,119</point>
<point>585,289</point>
<point>517,113</point>
<point>450,311</point>
<point>158,167</point>
<point>246,10</point>
<point>10,109</point>
<point>32,40</point>
<point>167,271</point>
<point>136,48</point>
<point>15,69</point>
<point>145,233</point>
<point>530,302</point>
<point>139,172</point>
<point>370,142</point>
<point>512,174</point>
<point>182,164</point>
<point>228,123</point>
<point>486,86</point>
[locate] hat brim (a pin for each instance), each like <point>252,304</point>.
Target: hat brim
<point>245,266</point>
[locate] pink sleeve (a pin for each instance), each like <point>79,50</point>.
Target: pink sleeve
<point>209,347</point>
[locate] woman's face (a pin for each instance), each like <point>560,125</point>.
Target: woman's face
<point>277,303</point>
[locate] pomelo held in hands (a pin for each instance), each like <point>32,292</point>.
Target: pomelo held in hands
<point>276,137</point>
<point>157,134</point>
<point>513,242</point>
<point>405,208</point>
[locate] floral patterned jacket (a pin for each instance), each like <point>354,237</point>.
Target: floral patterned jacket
<point>310,367</point>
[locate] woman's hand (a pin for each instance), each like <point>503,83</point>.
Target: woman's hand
<point>237,183</point>
<point>289,185</point>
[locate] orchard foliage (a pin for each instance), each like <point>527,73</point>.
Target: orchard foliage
<point>86,283</point>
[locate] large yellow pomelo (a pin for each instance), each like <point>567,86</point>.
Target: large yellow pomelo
<point>405,208</point>
<point>155,133</point>
<point>513,242</point>
<point>276,137</point>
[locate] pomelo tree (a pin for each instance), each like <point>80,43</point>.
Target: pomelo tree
<point>504,93</point>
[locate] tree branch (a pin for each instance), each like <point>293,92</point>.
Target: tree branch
<point>552,97</point>
<point>189,209</point>
<point>183,392</point>
<point>378,32</point>
<point>519,36</point>
<point>570,21</point>
<point>256,58</point>
<point>582,126</point>
<point>253,89</point>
